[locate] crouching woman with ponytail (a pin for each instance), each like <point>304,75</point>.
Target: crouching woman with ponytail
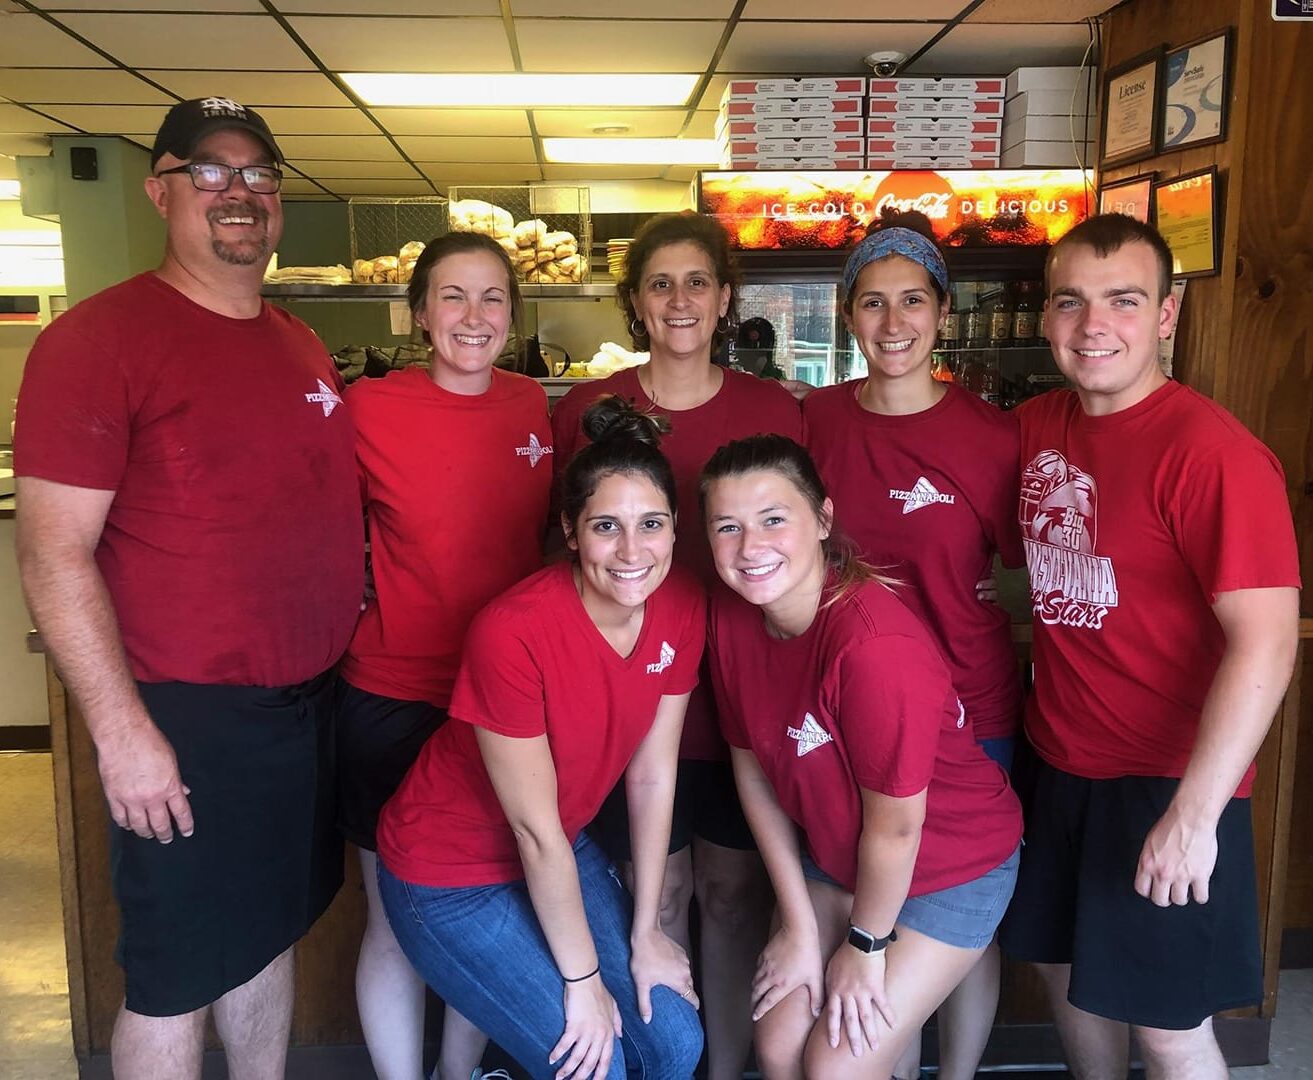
<point>573,678</point>
<point>890,838</point>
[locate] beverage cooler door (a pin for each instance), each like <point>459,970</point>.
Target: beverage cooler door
<point>795,330</point>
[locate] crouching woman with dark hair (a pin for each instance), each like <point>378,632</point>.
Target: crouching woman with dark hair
<point>890,838</point>
<point>574,677</point>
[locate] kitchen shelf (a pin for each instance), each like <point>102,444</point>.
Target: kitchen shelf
<point>593,291</point>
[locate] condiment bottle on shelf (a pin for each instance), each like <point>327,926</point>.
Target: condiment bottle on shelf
<point>1025,319</point>
<point>1000,320</point>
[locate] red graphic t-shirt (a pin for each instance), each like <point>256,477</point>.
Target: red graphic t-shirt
<point>1133,523</point>
<point>744,405</point>
<point>456,489</point>
<point>862,699</point>
<point>535,664</point>
<point>929,497</point>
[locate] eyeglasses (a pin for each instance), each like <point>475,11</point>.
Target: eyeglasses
<point>213,176</point>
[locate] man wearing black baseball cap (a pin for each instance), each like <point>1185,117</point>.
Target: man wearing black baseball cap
<point>189,538</point>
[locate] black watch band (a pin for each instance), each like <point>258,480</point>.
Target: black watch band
<point>866,942</point>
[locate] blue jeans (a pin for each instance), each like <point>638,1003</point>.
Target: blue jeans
<point>483,952</point>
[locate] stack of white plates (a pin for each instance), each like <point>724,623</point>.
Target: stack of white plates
<point>615,256</point>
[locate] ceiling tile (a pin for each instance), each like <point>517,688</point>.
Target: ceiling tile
<point>865,10</point>
<point>703,125</point>
<point>309,121</point>
<point>381,187</point>
<point>36,145</point>
<point>294,185</point>
<point>985,50</point>
<point>602,172</point>
<point>395,170</point>
<point>338,147</point>
<point>109,119</point>
<point>240,42</point>
<point>579,123</point>
<point>1038,11</point>
<point>614,45</point>
<point>480,173</point>
<point>78,85</point>
<point>609,9</point>
<point>682,173</point>
<point>389,7</point>
<point>30,39</point>
<point>255,88</point>
<point>467,148</point>
<point>453,121</point>
<point>358,44</point>
<point>147,5</point>
<point>16,121</point>
<point>830,47</point>
<point>711,96</point>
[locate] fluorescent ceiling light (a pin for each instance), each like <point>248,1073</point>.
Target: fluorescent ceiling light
<point>524,91</point>
<point>632,151</point>
<point>8,189</point>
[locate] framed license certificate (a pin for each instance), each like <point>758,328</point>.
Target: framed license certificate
<point>1185,211</point>
<point>1130,110</point>
<point>1196,92</point>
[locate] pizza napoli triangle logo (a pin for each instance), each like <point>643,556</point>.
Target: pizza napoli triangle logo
<point>325,397</point>
<point>923,493</point>
<point>535,451</point>
<point>667,658</point>
<point>811,736</point>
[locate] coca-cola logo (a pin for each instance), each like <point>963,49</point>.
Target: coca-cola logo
<point>902,192</point>
<point>935,207</point>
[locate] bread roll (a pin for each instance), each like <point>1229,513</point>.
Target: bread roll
<point>412,250</point>
<point>530,233</point>
<point>475,215</point>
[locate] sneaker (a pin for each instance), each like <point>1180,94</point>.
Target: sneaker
<point>496,1074</point>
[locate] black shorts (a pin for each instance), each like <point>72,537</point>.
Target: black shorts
<point>706,805</point>
<point>208,912</point>
<point>1075,903</point>
<point>378,739</point>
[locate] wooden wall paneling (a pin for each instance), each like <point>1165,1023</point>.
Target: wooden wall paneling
<point>1299,864</point>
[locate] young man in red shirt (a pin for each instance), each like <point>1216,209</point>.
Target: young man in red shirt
<point>1164,579</point>
<point>189,539</point>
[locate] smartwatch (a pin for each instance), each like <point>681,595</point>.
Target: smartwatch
<point>866,942</point>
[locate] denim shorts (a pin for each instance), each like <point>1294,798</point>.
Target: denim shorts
<point>1001,750</point>
<point>964,915</point>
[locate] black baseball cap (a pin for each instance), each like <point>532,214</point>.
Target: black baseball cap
<point>188,122</point>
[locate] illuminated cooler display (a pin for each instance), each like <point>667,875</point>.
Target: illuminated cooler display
<point>831,210</point>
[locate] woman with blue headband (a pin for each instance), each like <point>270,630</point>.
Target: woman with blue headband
<point>924,479</point>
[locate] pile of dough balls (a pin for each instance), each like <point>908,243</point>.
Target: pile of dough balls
<point>541,256</point>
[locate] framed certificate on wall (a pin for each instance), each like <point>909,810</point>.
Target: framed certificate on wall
<point>1130,110</point>
<point>1196,93</point>
<point>1130,197</point>
<point>1185,211</point>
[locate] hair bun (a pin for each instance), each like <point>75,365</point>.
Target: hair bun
<point>611,418</point>
<point>893,218</point>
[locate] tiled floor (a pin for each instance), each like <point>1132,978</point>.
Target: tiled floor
<point>35,1041</point>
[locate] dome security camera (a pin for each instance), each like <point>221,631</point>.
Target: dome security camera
<point>885,64</point>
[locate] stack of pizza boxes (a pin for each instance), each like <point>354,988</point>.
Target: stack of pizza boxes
<point>935,122</point>
<point>809,123</point>
<point>1048,119</point>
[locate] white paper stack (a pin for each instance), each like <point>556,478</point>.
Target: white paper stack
<point>779,123</point>
<point>1039,119</point>
<point>941,122</point>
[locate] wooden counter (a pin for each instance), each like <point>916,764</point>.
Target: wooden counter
<point>325,1006</point>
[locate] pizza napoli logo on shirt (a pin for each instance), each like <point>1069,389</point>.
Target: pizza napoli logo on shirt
<point>535,451</point>
<point>1069,584</point>
<point>667,656</point>
<point>325,397</point>
<point>811,736</point>
<point>922,493</point>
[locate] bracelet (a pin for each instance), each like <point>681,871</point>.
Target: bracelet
<point>584,978</point>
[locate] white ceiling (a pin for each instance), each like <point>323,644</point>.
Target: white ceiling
<point>112,67</point>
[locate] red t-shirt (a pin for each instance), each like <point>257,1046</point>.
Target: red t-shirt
<point>1133,523</point>
<point>929,497</point>
<point>233,548</point>
<point>535,664</point>
<point>862,699</point>
<point>744,405</point>
<point>456,490</point>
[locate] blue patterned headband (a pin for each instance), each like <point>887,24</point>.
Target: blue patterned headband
<point>895,241</point>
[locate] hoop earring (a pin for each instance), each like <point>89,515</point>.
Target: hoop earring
<point>636,328</point>
<point>728,328</point>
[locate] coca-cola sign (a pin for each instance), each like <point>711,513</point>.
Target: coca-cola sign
<point>767,211</point>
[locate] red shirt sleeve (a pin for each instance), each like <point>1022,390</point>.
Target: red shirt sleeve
<point>500,686</point>
<point>74,417</point>
<point>892,696</point>
<point>1231,518</point>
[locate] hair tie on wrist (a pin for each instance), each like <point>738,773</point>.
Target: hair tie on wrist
<point>584,978</point>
